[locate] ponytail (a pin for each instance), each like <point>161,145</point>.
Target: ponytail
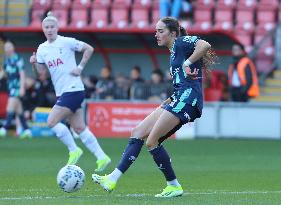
<point>182,31</point>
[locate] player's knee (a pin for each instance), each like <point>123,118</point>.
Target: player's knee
<point>51,123</point>
<point>78,129</point>
<point>137,133</point>
<point>150,144</point>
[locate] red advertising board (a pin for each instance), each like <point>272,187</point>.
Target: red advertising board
<point>116,119</point>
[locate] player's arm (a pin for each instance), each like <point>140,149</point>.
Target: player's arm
<point>201,48</point>
<point>36,67</point>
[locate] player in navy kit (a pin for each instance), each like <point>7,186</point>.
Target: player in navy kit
<point>188,56</point>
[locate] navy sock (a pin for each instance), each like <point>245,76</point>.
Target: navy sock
<point>23,122</point>
<point>9,118</point>
<point>130,154</point>
<point>163,162</point>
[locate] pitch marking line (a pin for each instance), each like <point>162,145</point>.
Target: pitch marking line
<point>139,195</point>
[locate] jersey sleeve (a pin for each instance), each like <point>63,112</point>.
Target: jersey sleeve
<point>20,63</point>
<point>39,56</point>
<point>75,44</point>
<point>189,43</point>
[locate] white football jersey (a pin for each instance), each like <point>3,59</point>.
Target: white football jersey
<point>59,57</point>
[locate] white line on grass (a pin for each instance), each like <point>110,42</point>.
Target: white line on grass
<point>219,192</point>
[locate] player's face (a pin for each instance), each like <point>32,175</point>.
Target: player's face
<point>163,35</point>
<point>9,49</point>
<point>50,29</point>
<point>237,51</point>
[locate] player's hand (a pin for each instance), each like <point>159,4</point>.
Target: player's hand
<point>76,72</point>
<point>32,59</point>
<point>193,75</point>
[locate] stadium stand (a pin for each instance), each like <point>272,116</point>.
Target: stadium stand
<point>3,12</point>
<point>79,18</point>
<point>3,103</point>
<point>61,4</point>
<point>18,12</point>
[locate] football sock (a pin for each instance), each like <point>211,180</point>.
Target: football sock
<point>163,162</point>
<point>64,135</point>
<point>130,154</point>
<point>115,175</point>
<point>9,118</point>
<point>91,142</point>
<point>23,122</point>
<point>173,182</point>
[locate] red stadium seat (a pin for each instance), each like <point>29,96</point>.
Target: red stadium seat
<point>37,17</point>
<point>247,4</point>
<point>99,17</point>
<point>79,18</point>
<point>266,19</point>
<point>81,4</point>
<point>279,13</point>
<point>226,4</point>
<point>119,17</point>
<point>100,4</point>
<point>142,3</point>
<point>211,94</point>
<point>61,4</point>
<point>121,3</point>
<point>268,4</point>
<point>42,4</point>
<point>267,48</point>
<point>203,19</point>
<point>224,19</point>
<point>245,20</point>
<point>155,17</point>
<point>204,4</point>
<point>3,104</point>
<point>140,17</point>
<point>62,16</point>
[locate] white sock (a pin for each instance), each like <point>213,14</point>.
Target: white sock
<point>115,175</point>
<point>173,182</point>
<point>91,142</point>
<point>64,135</point>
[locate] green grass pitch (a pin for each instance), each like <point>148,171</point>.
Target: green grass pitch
<point>215,172</point>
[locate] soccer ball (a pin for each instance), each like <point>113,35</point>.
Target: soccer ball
<point>70,178</point>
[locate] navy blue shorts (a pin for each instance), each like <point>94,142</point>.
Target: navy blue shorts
<point>186,113</point>
<point>71,100</point>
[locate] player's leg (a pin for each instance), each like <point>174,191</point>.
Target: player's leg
<point>89,139</point>
<point>57,114</point>
<point>19,111</point>
<point>131,151</point>
<point>166,122</point>
<point>11,107</point>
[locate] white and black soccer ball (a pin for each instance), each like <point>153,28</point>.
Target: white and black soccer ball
<point>70,178</point>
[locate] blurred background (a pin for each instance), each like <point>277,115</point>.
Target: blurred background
<point>129,72</point>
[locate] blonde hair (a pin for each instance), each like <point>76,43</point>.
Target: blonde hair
<point>50,17</point>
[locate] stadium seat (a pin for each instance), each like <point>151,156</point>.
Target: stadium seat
<point>121,3</point>
<point>140,17</point>
<point>267,48</point>
<point>265,19</point>
<point>119,17</point>
<point>244,20</point>
<point>81,4</point>
<point>61,4</point>
<point>279,13</point>
<point>203,19</point>
<point>247,4</point>
<point>42,4</point>
<point>99,17</point>
<point>3,104</point>
<point>100,4</point>
<point>155,17</point>
<point>230,4</point>
<point>245,38</point>
<point>223,18</point>
<point>204,4</point>
<point>211,94</point>
<point>62,16</point>
<point>79,18</point>
<point>142,3</point>
<point>268,4</point>
<point>37,17</point>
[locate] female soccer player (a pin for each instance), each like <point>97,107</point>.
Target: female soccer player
<point>13,68</point>
<point>188,56</point>
<point>58,55</point>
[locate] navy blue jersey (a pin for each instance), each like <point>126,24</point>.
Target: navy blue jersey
<point>12,67</point>
<point>186,90</point>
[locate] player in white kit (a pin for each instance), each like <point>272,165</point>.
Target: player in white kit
<point>57,54</point>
